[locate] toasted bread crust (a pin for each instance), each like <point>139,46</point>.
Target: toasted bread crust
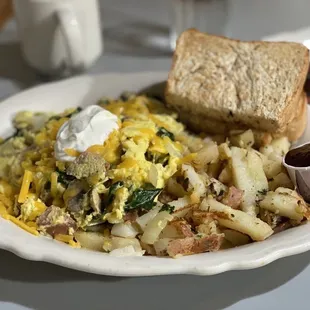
<point>261,91</point>
<point>297,126</point>
<point>293,130</point>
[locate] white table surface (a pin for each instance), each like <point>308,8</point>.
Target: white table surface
<point>283,284</point>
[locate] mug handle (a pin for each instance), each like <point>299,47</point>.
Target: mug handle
<point>70,29</point>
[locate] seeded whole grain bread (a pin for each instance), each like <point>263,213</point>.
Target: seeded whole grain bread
<point>218,84</point>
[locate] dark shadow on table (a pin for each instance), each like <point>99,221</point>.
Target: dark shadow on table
<point>44,286</point>
<point>13,67</point>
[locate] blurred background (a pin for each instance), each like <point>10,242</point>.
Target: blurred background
<point>139,35</point>
<point>146,27</point>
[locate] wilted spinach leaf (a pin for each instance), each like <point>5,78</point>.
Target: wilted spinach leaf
<point>142,199</point>
<point>162,132</point>
<point>64,178</point>
<point>157,158</point>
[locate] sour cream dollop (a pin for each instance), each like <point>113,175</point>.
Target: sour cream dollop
<point>91,126</point>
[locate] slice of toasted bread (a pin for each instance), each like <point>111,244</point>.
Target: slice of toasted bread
<point>294,129</point>
<point>235,84</point>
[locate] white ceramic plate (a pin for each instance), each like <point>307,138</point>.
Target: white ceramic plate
<point>87,90</point>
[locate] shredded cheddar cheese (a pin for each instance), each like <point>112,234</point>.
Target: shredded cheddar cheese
<point>27,179</point>
<point>54,177</point>
<point>22,225</point>
<point>97,149</point>
<point>157,145</point>
<point>74,244</point>
<point>72,152</point>
<point>32,224</point>
<point>127,163</point>
<point>63,238</point>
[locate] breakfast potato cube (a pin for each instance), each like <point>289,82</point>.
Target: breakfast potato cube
<point>226,175</point>
<point>224,151</point>
<point>209,153</point>
<point>281,146</point>
<point>214,169</point>
<point>243,140</point>
<point>285,202</point>
<point>155,227</point>
<point>177,229</point>
<point>237,220</point>
<point>90,240</point>
<point>281,180</point>
<point>236,238</point>
<point>249,176</point>
<point>272,168</point>
<point>266,150</point>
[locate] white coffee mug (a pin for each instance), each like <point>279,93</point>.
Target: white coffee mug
<point>59,37</point>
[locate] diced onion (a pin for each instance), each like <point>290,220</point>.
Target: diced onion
<point>155,227</point>
<point>118,242</point>
<point>153,175</point>
<point>145,218</point>
<point>180,203</point>
<point>125,230</point>
<point>126,251</point>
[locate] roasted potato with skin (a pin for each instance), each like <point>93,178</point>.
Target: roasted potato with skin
<point>177,229</point>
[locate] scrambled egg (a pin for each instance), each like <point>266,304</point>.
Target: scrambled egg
<point>143,151</point>
<point>142,145</point>
<point>31,209</point>
<point>116,215</point>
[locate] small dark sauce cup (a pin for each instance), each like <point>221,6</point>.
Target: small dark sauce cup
<point>297,163</point>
